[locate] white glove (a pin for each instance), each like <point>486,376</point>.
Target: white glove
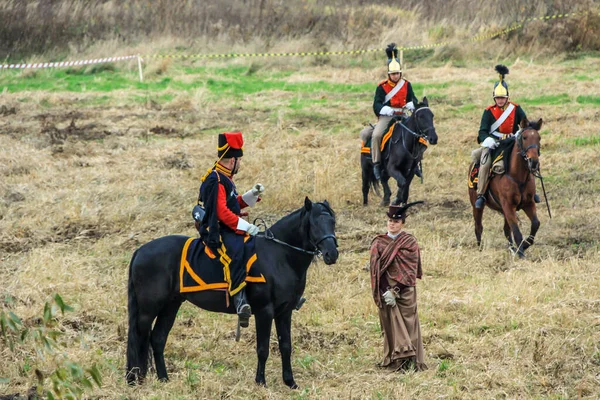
<point>490,143</point>
<point>257,189</point>
<point>389,298</point>
<point>410,106</point>
<point>387,111</point>
<point>251,196</point>
<point>252,230</point>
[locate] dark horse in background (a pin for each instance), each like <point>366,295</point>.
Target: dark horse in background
<point>284,254</point>
<point>401,156</point>
<point>514,190</point>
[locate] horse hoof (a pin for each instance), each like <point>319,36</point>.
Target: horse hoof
<point>293,386</point>
<point>261,383</point>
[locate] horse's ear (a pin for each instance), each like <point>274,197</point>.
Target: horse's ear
<point>539,124</point>
<point>307,204</point>
<point>524,123</point>
<point>425,102</point>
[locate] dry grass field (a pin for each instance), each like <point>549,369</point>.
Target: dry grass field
<point>93,164</point>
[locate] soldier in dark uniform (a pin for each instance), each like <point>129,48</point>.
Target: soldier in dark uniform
<point>499,121</point>
<point>392,97</point>
<point>222,229</point>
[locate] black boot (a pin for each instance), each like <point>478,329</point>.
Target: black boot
<point>418,171</point>
<point>377,171</point>
<point>536,198</point>
<point>479,203</point>
<point>301,301</point>
<point>242,308</point>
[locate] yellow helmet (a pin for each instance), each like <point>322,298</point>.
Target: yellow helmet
<point>501,87</point>
<point>393,62</point>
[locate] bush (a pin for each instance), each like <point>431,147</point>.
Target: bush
<point>67,379</point>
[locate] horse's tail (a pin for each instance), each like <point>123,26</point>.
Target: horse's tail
<point>373,183</point>
<point>137,344</point>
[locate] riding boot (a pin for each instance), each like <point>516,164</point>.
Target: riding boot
<point>300,303</point>
<point>479,203</point>
<point>418,171</point>
<point>242,308</point>
<point>536,198</point>
<point>377,171</point>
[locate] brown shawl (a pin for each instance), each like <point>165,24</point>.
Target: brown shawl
<point>400,257</point>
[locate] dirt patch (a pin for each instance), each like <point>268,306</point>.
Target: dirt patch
<point>161,130</point>
<point>321,340</point>
<point>83,132</point>
<point>4,110</point>
<point>179,160</point>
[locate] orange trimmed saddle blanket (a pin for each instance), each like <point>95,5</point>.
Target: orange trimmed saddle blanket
<point>201,269</point>
<point>366,147</point>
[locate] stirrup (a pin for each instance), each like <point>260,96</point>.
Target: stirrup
<point>244,312</point>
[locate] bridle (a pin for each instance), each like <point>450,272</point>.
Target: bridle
<point>316,252</point>
<point>420,134</point>
<point>523,151</point>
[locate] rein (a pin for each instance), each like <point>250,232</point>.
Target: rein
<point>421,136</point>
<point>268,234</point>
<point>536,173</point>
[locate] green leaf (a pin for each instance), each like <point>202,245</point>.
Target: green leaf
<point>95,373</point>
<point>86,383</point>
<point>3,323</point>
<point>60,302</point>
<point>15,319</point>
<point>49,395</point>
<point>24,334</point>
<point>47,313</point>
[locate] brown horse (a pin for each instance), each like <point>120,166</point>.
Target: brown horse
<point>514,190</point>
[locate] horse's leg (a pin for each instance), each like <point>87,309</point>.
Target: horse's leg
<point>264,321</point>
<point>508,235</point>
<point>283,323</point>
<point>397,175</point>
<point>387,192</point>
<point>510,214</point>
<point>404,198</point>
<point>531,213</point>
<point>158,339</point>
<point>478,217</point>
<point>366,182</point>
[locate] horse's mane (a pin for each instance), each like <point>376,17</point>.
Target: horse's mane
<point>284,221</point>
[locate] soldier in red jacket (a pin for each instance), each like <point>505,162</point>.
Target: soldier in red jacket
<point>392,96</point>
<point>222,228</point>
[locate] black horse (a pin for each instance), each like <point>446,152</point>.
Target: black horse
<point>284,253</point>
<point>400,158</point>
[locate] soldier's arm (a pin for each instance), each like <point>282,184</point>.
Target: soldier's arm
<point>378,100</point>
<point>487,119</point>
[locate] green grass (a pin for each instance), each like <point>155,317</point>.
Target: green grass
<point>586,141</point>
<point>595,100</point>
<point>546,100</point>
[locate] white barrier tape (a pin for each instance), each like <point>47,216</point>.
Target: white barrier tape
<point>66,63</point>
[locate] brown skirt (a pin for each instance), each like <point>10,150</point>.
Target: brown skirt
<point>401,330</point>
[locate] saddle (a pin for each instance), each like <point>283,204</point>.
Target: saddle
<point>499,163</point>
<point>201,269</point>
<point>366,147</point>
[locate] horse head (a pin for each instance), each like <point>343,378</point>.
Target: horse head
<point>528,142</point>
<point>321,229</point>
<point>423,117</point>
